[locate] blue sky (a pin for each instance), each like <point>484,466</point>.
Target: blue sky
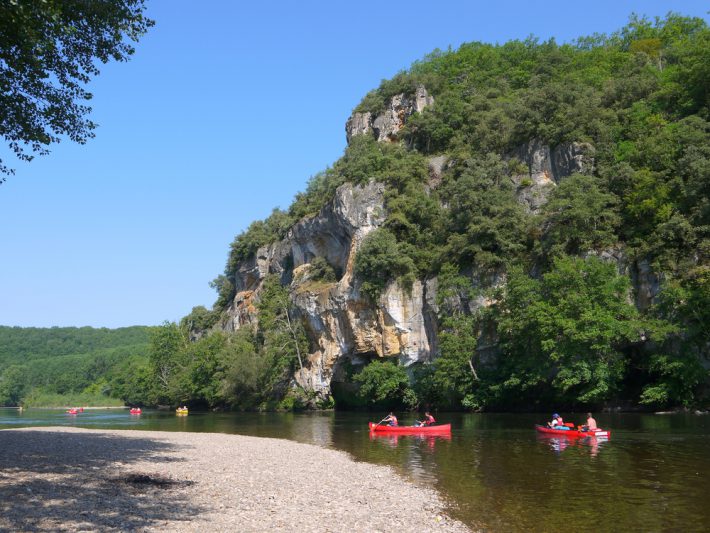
<point>223,113</point>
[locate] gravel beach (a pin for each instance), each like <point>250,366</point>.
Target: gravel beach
<point>70,479</point>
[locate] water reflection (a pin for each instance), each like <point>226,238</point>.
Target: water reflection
<point>558,444</point>
<point>315,429</point>
<point>500,474</point>
<point>393,440</point>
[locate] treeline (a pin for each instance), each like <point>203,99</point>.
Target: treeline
<point>63,366</point>
<point>249,369</point>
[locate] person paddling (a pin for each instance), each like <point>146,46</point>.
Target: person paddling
<point>428,420</point>
<point>391,420</point>
<point>591,424</point>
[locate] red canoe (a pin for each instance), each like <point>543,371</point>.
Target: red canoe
<point>573,432</point>
<point>411,430</point>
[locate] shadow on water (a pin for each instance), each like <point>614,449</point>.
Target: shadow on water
<point>46,477</point>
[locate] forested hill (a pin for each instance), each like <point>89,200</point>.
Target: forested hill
<point>19,345</point>
<point>511,226</point>
<point>59,366</point>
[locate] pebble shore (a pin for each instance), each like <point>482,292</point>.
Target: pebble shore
<point>71,479</point>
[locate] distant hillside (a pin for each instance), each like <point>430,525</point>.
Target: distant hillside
<point>68,365</point>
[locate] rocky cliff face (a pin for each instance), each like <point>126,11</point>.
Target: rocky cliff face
<point>342,324</point>
<point>386,125</point>
<point>546,167</point>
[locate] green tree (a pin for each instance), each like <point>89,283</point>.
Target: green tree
<point>385,384</point>
<point>133,382</point>
<point>379,261</point>
<point>485,224</point>
<point>569,330</point>
<point>167,357</point>
<point>676,372</point>
<point>198,378</point>
<point>244,368</point>
<point>279,331</point>
<point>200,320</point>
<point>579,217</point>
<point>455,376</point>
<point>48,53</point>
<point>13,385</point>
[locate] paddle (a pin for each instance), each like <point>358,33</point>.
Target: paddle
<point>380,422</point>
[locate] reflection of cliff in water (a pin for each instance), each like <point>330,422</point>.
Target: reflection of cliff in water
<point>315,428</point>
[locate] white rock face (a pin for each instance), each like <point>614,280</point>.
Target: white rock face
<point>341,323</point>
<point>547,167</point>
<point>385,126</point>
<point>358,124</point>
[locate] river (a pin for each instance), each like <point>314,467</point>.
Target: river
<point>653,474</point>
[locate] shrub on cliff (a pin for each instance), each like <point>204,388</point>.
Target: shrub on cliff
<point>380,260</point>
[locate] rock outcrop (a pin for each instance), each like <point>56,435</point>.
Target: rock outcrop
<point>386,125</point>
<point>546,167</point>
<point>341,323</point>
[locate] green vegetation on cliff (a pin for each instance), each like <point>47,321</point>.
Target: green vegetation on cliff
<point>563,325</point>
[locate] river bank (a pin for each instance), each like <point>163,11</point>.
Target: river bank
<point>68,479</point>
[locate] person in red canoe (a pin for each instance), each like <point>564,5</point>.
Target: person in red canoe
<point>391,420</point>
<point>428,420</point>
<point>557,422</point>
<point>591,424</point>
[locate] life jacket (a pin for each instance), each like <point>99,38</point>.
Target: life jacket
<point>429,420</point>
<point>393,421</point>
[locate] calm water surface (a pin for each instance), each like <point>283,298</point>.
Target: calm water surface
<point>652,475</point>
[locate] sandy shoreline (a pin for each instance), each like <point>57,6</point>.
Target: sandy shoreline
<point>70,479</point>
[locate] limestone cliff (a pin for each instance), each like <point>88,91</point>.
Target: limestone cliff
<point>545,167</point>
<point>342,324</point>
<point>386,125</point>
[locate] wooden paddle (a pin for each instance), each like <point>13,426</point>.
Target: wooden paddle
<point>380,422</point>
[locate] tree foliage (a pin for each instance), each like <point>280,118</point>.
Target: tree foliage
<point>41,363</point>
<point>386,385</point>
<point>570,330</point>
<point>380,260</point>
<point>49,51</point>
